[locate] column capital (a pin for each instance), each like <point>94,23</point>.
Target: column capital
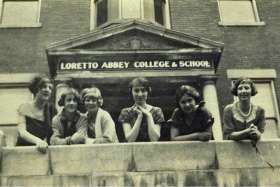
<point>208,79</point>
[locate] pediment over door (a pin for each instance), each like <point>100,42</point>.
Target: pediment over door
<point>132,40</point>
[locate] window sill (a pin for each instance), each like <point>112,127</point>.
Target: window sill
<point>35,25</point>
<point>252,73</point>
<point>241,24</point>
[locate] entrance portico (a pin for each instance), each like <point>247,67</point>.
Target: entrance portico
<point>110,57</point>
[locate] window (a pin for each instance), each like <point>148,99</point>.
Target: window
<point>103,11</point>
<point>13,92</point>
<point>10,99</point>
<point>159,11</point>
<point>266,97</point>
<point>20,13</point>
<point>238,12</point>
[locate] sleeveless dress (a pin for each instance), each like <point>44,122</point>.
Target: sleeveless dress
<point>36,127</point>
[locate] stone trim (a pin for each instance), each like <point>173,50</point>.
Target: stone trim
<point>252,73</point>
<point>15,79</point>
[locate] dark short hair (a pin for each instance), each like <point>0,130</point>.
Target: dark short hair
<point>187,90</point>
<point>140,81</point>
<point>69,91</point>
<point>243,80</point>
<point>37,83</point>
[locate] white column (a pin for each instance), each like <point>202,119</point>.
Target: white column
<point>211,103</point>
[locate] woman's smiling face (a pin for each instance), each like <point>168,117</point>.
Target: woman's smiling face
<point>187,104</point>
<point>91,103</point>
<point>45,91</point>
<point>140,94</point>
<point>70,103</point>
<point>244,91</point>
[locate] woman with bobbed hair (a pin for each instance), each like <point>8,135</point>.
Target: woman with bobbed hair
<point>100,125</point>
<point>190,121</point>
<point>242,119</point>
<point>34,118</point>
<point>141,122</point>
<point>69,126</point>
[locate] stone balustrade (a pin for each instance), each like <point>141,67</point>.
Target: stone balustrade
<point>215,163</point>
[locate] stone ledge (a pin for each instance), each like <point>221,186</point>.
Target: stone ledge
<point>84,159</point>
<point>171,156</point>
<point>23,161</point>
<point>138,157</point>
<point>241,154</point>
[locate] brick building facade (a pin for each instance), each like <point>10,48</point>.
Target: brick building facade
<point>248,49</point>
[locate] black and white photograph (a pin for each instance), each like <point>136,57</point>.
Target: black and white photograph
<point>139,93</point>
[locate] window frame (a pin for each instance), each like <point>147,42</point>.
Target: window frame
<point>257,21</point>
<point>93,14</point>
<point>23,25</point>
<point>15,80</point>
<point>260,76</point>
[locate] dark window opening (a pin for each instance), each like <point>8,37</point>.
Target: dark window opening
<point>102,12</point>
<point>159,11</point>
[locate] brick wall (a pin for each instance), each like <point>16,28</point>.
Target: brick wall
<point>245,47</point>
<point>23,49</point>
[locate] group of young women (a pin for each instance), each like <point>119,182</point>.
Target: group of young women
<point>38,124</point>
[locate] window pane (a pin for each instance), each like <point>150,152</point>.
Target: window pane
<point>10,100</point>
<point>237,11</point>
<point>113,9</point>
<point>149,12</point>
<point>20,12</point>
<point>131,8</point>
<point>264,98</point>
<point>159,11</point>
<point>102,12</point>
<point>271,130</point>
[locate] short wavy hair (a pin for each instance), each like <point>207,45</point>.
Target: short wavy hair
<point>94,92</point>
<point>187,90</point>
<point>69,91</point>
<point>243,80</point>
<point>37,83</point>
<point>140,81</point>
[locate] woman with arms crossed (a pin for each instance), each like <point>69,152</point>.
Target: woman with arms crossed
<point>190,121</point>
<point>242,119</point>
<point>69,126</point>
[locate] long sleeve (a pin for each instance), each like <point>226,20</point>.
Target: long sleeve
<point>107,127</point>
<point>57,136</point>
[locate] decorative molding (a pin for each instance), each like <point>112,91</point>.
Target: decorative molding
<point>16,78</point>
<point>252,73</point>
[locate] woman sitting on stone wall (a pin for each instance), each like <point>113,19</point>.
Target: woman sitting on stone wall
<point>69,126</point>
<point>190,120</point>
<point>34,125</point>
<point>100,125</point>
<point>141,122</point>
<point>242,119</point>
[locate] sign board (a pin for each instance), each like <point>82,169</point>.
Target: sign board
<point>134,65</point>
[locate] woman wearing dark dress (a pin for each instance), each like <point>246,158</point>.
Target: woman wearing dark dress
<point>141,122</point>
<point>243,119</point>
<point>34,118</point>
<point>69,126</point>
<point>190,121</point>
